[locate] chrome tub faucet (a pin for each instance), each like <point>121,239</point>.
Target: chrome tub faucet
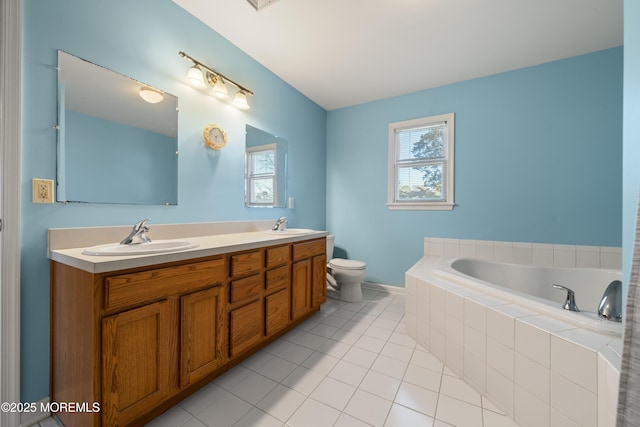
<point>281,224</point>
<point>138,234</point>
<point>610,307</point>
<point>570,302</point>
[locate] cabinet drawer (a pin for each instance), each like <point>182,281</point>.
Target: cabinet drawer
<point>309,249</point>
<point>246,289</point>
<point>278,256</point>
<point>247,263</point>
<point>278,278</point>
<point>136,288</point>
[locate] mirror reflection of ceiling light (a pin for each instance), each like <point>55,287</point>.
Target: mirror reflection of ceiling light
<point>219,83</point>
<point>150,95</point>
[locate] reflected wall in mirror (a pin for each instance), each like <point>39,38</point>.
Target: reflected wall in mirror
<point>265,169</point>
<point>114,146</point>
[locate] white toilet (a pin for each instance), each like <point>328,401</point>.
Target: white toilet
<point>344,276</point>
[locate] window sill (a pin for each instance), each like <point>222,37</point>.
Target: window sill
<point>424,206</point>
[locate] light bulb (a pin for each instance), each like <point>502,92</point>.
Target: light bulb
<point>195,77</point>
<point>240,101</point>
<point>220,89</point>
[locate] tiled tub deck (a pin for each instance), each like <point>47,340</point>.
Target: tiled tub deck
<point>538,369</point>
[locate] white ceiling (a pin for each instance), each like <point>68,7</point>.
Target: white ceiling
<point>346,52</point>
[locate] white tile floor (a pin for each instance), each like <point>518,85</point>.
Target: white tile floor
<point>350,365</point>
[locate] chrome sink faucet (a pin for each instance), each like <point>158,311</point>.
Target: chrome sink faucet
<point>138,234</point>
<point>281,224</point>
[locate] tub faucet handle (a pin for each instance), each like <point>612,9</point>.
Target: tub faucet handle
<point>570,302</point>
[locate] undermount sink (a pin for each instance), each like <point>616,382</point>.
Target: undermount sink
<point>153,247</point>
<point>291,231</point>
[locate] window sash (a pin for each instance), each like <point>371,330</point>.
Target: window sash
<point>262,189</point>
<point>412,135</point>
<point>431,187</point>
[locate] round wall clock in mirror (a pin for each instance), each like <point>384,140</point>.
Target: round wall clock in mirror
<point>215,137</point>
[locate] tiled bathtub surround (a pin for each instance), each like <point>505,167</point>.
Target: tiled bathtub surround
<point>539,370</point>
<point>526,253</point>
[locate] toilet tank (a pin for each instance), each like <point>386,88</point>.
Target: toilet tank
<point>330,240</point>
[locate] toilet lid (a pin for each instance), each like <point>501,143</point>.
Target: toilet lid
<point>347,264</point>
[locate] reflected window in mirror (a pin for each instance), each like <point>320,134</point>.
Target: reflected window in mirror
<point>117,139</point>
<point>262,189</point>
<point>265,169</point>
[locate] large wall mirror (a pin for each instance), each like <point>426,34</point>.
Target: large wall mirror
<point>265,169</point>
<point>117,138</point>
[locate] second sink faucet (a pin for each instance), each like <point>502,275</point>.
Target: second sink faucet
<point>138,234</point>
<point>281,224</point>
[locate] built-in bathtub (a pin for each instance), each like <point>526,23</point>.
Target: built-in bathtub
<point>540,364</point>
<point>531,286</point>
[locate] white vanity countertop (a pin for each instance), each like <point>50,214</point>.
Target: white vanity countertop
<point>212,244</point>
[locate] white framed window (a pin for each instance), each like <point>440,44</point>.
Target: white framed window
<point>262,184</point>
<point>421,163</point>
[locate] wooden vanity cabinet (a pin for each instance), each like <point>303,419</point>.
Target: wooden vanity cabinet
<point>308,283</point>
<point>168,331</point>
<point>246,318</point>
<point>136,362</point>
<point>137,341</point>
<point>277,301</point>
<point>203,337</point>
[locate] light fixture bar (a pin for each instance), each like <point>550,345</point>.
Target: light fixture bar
<point>215,73</point>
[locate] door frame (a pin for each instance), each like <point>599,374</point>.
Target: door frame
<point>10,142</point>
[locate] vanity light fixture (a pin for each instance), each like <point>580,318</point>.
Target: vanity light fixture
<point>196,78</point>
<point>150,95</point>
<point>240,100</point>
<point>219,83</point>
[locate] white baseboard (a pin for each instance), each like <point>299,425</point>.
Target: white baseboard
<point>29,419</point>
<point>383,288</point>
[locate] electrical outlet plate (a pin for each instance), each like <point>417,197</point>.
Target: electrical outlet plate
<point>42,190</point>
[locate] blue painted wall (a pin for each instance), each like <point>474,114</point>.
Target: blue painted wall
<point>631,132</point>
<point>538,158</point>
<point>538,150</point>
<point>142,39</point>
<point>93,145</point>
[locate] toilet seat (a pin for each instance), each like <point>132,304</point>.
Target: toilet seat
<point>347,264</point>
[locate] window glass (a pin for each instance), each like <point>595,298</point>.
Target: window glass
<point>261,175</point>
<point>421,163</point>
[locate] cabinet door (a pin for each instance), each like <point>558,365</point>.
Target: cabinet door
<point>277,311</point>
<point>202,337</point>
<point>319,280</point>
<point>135,364</point>
<point>246,326</point>
<point>301,289</point>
